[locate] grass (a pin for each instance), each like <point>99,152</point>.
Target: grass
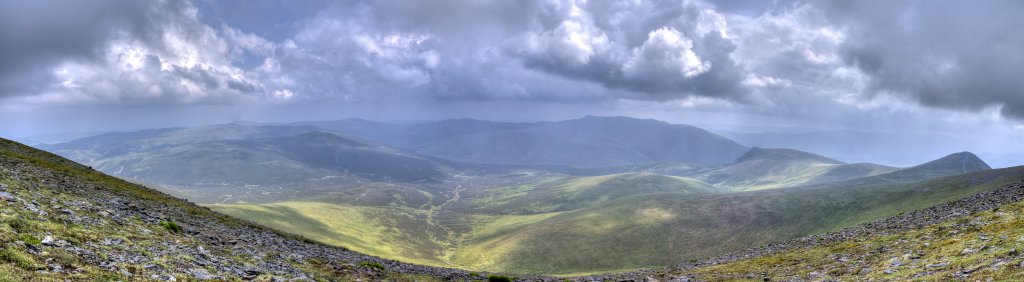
<point>653,227</point>
<point>55,184</point>
<point>374,265</point>
<point>577,226</point>
<point>18,258</point>
<point>570,193</point>
<point>171,226</point>
<point>987,245</point>
<point>28,238</point>
<point>391,232</point>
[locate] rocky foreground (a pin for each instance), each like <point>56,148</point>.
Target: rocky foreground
<point>64,221</point>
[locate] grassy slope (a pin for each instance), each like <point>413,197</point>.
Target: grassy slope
<point>21,227</point>
<point>985,245</point>
<point>564,194</point>
<point>761,168</point>
<point>393,232</point>
<point>662,229</point>
<point>585,225</point>
<point>467,234</point>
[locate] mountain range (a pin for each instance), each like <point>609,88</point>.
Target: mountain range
<point>595,194</point>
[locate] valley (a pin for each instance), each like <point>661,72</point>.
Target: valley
<point>371,193</point>
<point>511,141</point>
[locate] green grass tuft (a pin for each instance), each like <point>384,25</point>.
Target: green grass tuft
<point>19,258</point>
<point>171,226</point>
<point>28,238</point>
<point>373,265</point>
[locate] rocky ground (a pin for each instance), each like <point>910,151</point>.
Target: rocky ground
<point>64,221</point>
<point>978,241</point>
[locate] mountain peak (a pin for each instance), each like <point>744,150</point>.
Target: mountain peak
<point>965,161</point>
<point>772,154</point>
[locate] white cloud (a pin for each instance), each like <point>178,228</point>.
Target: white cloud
<point>283,94</point>
<point>666,54</point>
<point>765,81</point>
<point>572,43</point>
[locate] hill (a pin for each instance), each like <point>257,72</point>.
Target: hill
<point>270,160</point>
<point>575,193</point>
<point>664,229</point>
<point>244,154</point>
<point>761,168</point>
<point>64,221</point>
<point>586,142</point>
<point>958,163</point>
<point>974,238</point>
<point>116,144</point>
<point>556,224</point>
<point>953,164</point>
<point>207,156</point>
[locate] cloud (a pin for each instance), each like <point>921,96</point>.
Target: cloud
<point>667,55</point>
<point>755,54</point>
<point>948,54</point>
<point>673,51</point>
<point>122,52</point>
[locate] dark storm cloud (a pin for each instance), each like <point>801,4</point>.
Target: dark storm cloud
<point>962,55</point>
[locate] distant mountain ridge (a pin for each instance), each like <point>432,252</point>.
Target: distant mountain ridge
<point>237,154</point>
<point>421,151</point>
<point>586,142</point>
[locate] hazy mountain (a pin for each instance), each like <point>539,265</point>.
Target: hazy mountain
<point>371,130</point>
<point>589,142</point>
<point>902,148</point>
<point>234,158</point>
<point>761,168</point>
<point>114,144</point>
<point>586,142</point>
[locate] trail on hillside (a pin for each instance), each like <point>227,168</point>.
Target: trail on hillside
<point>448,233</point>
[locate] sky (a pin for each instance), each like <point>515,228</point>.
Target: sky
<point>894,82</point>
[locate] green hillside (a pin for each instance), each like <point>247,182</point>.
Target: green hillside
<point>662,230</point>
<point>607,223</point>
<point>762,168</point>
<point>570,193</point>
<point>984,246</point>
<point>287,159</point>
